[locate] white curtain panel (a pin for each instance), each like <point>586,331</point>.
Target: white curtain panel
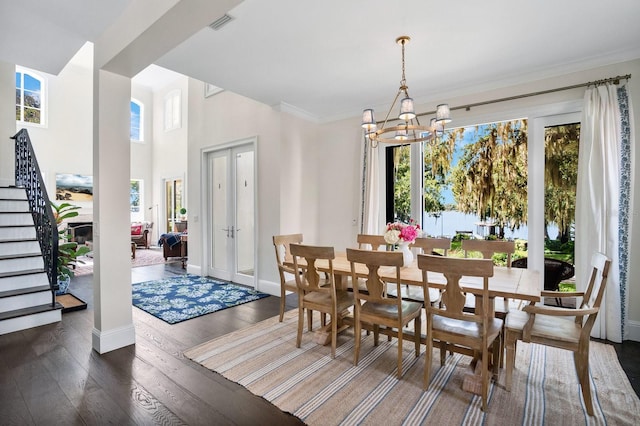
<point>370,208</point>
<point>598,202</point>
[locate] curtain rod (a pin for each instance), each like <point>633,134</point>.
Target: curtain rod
<point>615,80</point>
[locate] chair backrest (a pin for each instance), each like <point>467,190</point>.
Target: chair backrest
<point>372,261</point>
<point>428,245</point>
<point>309,280</point>
<point>372,241</point>
<point>595,290</point>
<point>489,247</point>
<point>453,299</point>
<point>281,244</point>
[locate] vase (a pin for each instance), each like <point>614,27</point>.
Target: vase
<point>63,284</point>
<point>407,254</point>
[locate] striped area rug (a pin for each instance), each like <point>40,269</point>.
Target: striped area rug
<point>323,391</point>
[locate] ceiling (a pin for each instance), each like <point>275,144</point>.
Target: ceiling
<point>330,59</point>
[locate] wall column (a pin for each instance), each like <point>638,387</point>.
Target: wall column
<point>113,323</point>
<point>7,123</point>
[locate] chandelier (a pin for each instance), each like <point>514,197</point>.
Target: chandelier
<point>409,130</point>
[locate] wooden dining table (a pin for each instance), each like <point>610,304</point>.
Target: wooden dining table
<point>509,283</point>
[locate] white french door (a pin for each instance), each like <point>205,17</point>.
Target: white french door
<point>231,214</point>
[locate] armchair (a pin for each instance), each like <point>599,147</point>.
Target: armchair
<point>140,233</point>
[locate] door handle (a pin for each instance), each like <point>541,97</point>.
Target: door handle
<point>227,231</point>
<point>231,231</point>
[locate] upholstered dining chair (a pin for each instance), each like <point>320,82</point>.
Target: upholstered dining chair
<point>318,292</point>
<point>563,328</point>
<point>375,307</point>
<point>281,244</point>
<point>374,242</point>
<point>456,330</point>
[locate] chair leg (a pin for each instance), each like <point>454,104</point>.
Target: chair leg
<point>485,378</point>
<point>300,325</point>
<point>581,359</point>
<point>309,320</point>
<point>282,301</point>
<point>443,352</point>
<point>428,352</point>
<point>376,334</point>
<point>357,331</point>
<point>510,343</point>
<point>334,332</point>
<point>400,352</point>
<point>496,355</point>
<point>416,328</point>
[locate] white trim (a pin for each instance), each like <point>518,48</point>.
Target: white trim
<point>298,112</point>
<point>269,287</point>
<point>116,338</point>
<point>633,331</point>
<point>204,213</point>
<point>141,123</point>
<point>44,85</point>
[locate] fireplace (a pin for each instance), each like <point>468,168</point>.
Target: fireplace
<point>80,232</point>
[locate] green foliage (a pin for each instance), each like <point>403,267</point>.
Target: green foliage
<point>68,251</point>
<point>490,179</point>
<point>402,183</point>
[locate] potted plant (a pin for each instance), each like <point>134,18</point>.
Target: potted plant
<point>68,251</point>
<point>183,213</point>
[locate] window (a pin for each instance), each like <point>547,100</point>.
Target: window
<point>172,114</point>
<point>29,97</point>
<point>473,181</point>
<point>137,121</point>
<point>135,200</point>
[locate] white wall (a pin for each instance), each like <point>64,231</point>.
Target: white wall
<point>7,122</point>
<point>64,144</point>
<point>169,148</point>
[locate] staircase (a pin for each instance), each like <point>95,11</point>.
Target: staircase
<point>26,298</point>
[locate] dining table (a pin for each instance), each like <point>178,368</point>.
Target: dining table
<point>508,283</point>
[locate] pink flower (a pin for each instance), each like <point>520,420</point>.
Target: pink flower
<point>401,232</point>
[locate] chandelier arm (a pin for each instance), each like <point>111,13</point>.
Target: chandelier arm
<point>393,104</point>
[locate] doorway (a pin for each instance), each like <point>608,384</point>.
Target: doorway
<point>174,204</point>
<point>231,194</point>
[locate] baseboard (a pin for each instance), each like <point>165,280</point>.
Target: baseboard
<point>194,270</point>
<point>633,331</point>
<point>107,341</point>
<point>269,287</point>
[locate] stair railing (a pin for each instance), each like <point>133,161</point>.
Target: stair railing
<point>29,177</point>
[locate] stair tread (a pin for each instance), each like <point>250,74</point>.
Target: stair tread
<point>30,311</point>
<point>20,273</point>
<point>20,256</point>
<point>27,290</point>
<point>17,240</point>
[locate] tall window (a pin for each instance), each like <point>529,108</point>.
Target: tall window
<point>172,114</point>
<point>135,200</point>
<point>137,121</point>
<point>30,90</point>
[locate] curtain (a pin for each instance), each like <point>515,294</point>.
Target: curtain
<point>370,190</point>
<point>602,200</point>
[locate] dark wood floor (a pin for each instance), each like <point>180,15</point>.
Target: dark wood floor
<point>50,375</point>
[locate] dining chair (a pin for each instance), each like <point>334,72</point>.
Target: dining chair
<point>281,244</point>
<point>458,331</point>
<point>563,328</point>
<point>316,292</point>
<point>488,248</point>
<point>428,245</point>
<point>375,307</point>
<point>374,242</point>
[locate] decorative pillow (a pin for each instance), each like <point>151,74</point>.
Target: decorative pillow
<point>136,229</point>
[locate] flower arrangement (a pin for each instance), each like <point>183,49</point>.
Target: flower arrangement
<point>398,232</point>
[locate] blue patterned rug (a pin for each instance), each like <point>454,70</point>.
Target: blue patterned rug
<point>178,299</point>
